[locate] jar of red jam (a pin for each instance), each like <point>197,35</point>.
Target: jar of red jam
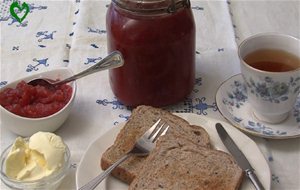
<point>157,40</point>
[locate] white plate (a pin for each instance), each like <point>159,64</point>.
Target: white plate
<point>232,102</point>
<point>89,165</point>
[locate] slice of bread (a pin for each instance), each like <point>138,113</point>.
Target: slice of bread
<point>141,119</point>
<point>177,164</point>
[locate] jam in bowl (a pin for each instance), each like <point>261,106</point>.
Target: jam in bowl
<point>26,110</point>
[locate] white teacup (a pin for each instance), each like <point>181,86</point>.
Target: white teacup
<point>270,66</point>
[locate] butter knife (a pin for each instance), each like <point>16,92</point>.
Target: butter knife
<point>239,156</point>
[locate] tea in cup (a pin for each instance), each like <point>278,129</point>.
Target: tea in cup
<point>270,66</point>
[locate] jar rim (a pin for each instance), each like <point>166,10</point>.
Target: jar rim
<point>152,6</point>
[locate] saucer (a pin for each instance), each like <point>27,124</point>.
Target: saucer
<point>232,102</point>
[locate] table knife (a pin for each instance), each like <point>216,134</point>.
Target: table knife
<point>239,156</point>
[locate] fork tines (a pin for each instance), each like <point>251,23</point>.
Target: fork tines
<point>158,129</point>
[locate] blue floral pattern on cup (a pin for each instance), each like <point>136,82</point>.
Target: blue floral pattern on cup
<point>296,112</point>
<point>236,98</point>
<point>236,108</point>
<point>273,91</point>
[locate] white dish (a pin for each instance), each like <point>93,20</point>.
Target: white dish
<point>231,99</point>
<point>25,126</point>
<point>89,165</point>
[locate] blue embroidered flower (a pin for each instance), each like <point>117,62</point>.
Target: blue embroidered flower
<point>3,83</point>
<point>115,103</point>
<point>92,60</point>
<point>98,31</point>
<point>202,106</point>
<point>45,35</point>
<point>31,67</point>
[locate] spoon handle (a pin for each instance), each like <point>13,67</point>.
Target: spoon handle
<point>113,60</point>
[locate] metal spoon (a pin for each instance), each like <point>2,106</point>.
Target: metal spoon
<point>113,60</point>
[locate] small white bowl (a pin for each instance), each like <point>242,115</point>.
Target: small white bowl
<point>25,126</point>
<point>50,182</point>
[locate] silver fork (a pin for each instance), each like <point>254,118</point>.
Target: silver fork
<point>142,147</point>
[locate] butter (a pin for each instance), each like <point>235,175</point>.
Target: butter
<point>41,156</point>
<point>16,159</point>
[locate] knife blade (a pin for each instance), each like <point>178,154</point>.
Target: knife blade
<point>239,156</point>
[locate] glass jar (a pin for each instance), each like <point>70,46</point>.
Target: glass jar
<point>157,40</point>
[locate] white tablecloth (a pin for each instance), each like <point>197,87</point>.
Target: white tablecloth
<point>73,34</point>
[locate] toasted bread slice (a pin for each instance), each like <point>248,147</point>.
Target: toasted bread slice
<point>141,119</point>
<point>177,164</point>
